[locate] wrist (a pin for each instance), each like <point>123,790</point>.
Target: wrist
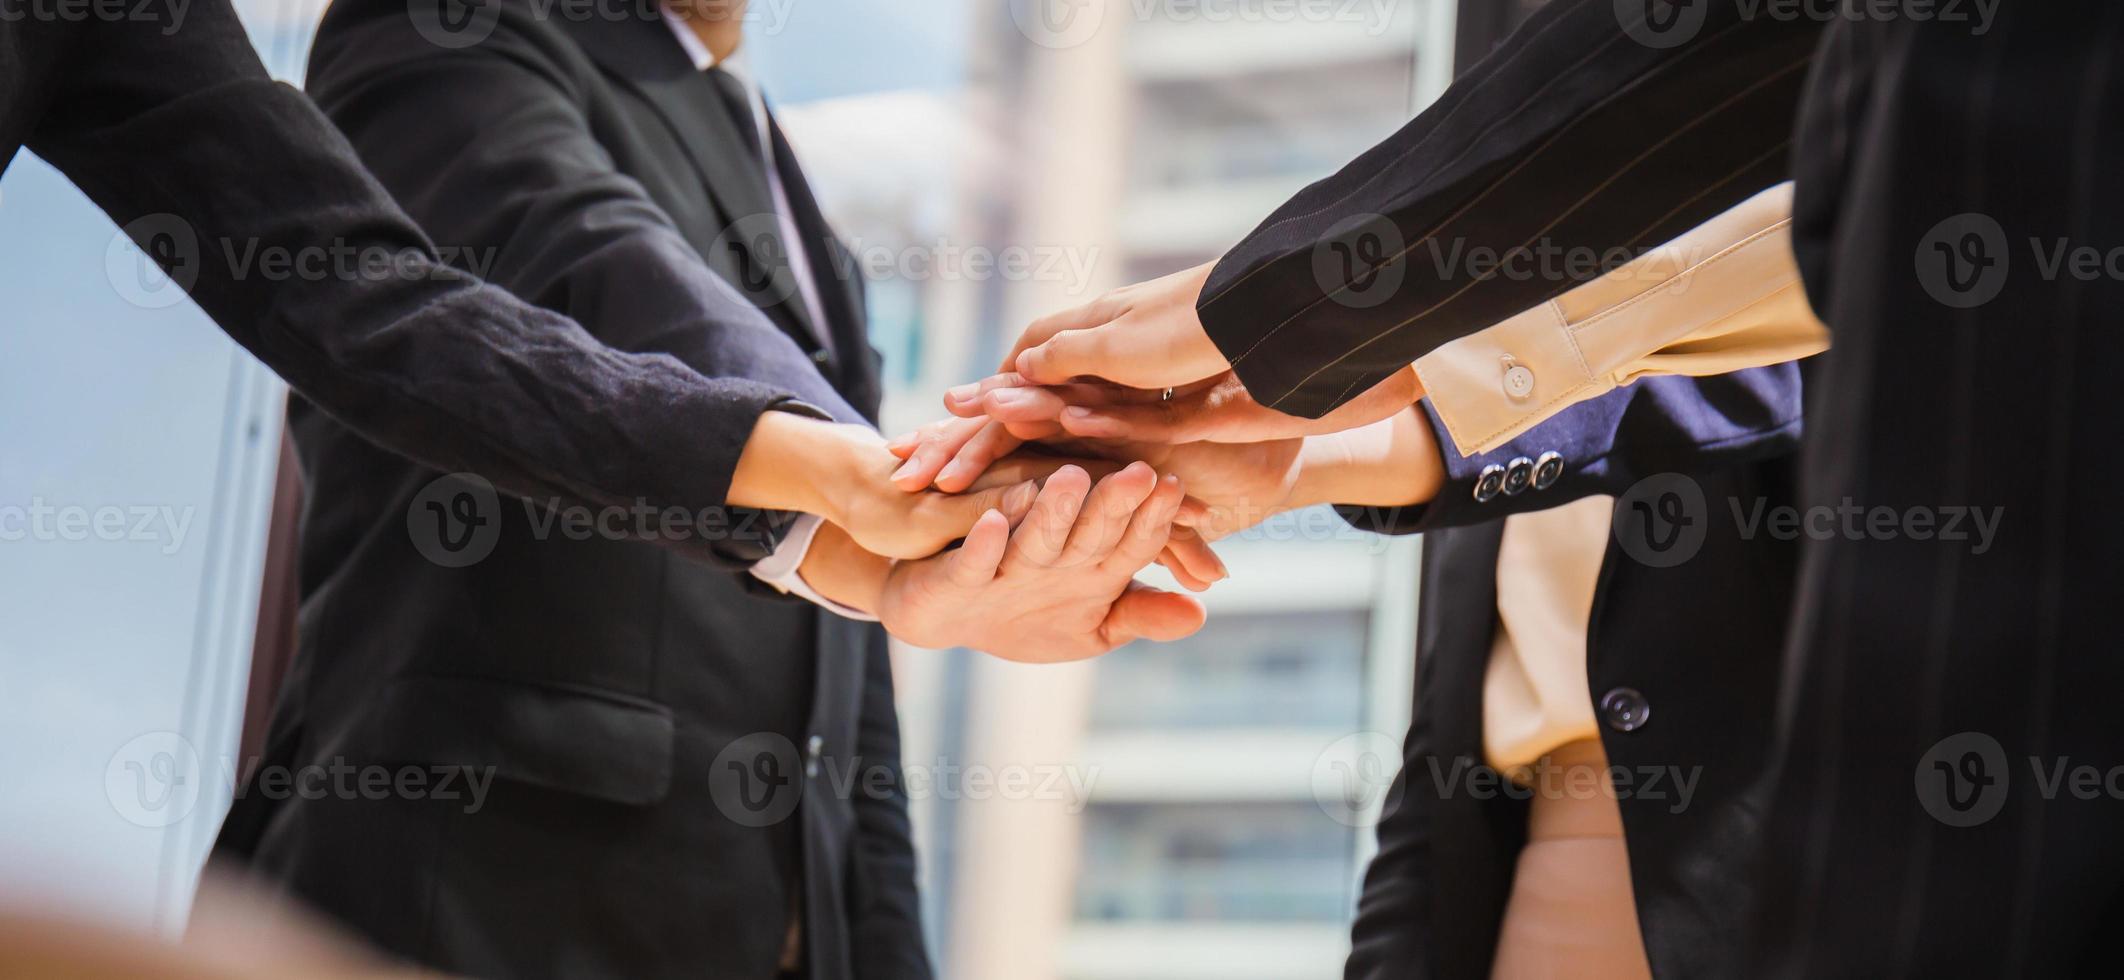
<point>796,463</point>
<point>840,570</point>
<point>1394,462</point>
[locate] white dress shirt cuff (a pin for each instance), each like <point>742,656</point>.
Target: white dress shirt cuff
<point>784,569</point>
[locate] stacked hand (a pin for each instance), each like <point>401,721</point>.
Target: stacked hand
<point>1127,387</point>
<point>1061,587</point>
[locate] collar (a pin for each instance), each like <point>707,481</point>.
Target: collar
<point>702,58</point>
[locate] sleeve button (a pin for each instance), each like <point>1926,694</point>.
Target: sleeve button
<point>1548,469</point>
<point>1519,474</point>
<point>1488,483</point>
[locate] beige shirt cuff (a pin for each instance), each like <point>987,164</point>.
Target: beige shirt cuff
<point>1723,297</point>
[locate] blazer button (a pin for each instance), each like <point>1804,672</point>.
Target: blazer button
<point>1624,709</point>
<point>1519,474</point>
<point>820,356</point>
<point>1548,469</point>
<point>813,748</point>
<point>1488,483</point>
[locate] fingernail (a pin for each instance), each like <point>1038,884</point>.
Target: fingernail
<point>1006,396</point>
<point>1078,412</point>
<point>963,392</point>
<point>955,469</point>
<point>906,469</point>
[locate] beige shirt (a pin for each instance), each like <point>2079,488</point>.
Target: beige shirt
<point>1723,297</point>
<point>1534,692</point>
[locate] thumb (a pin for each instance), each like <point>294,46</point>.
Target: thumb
<point>1146,613</point>
<point>1092,352</point>
<point>974,563</point>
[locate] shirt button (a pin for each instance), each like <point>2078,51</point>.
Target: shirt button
<point>1548,469</point>
<point>1519,381</point>
<point>1519,473</point>
<point>1624,709</point>
<point>1488,483</point>
<point>813,748</point>
<point>820,356</point>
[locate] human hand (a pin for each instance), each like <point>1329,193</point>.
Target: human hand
<point>1218,409</point>
<point>1062,586</point>
<point>1142,336</point>
<point>1231,486</point>
<point>980,454</point>
<point>842,473</point>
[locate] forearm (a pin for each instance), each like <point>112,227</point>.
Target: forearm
<point>1525,156</point>
<point>1394,462</point>
<point>794,462</point>
<point>420,360</point>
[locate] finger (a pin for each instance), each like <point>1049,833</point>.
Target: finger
<point>1193,513</point>
<point>904,444</point>
<point>964,400</point>
<point>1149,530</point>
<point>1179,571</point>
<point>1033,431</point>
<point>1021,466</point>
<point>1193,552</point>
<point>1171,421</point>
<point>1112,504</point>
<point>1146,613</point>
<point>938,444</point>
<point>1023,404</point>
<point>990,443</point>
<point>1045,531</point>
<point>975,562</point>
<point>1095,352</point>
<point>1092,314</point>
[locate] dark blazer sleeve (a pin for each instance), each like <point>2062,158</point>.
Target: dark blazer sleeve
<point>886,917</point>
<point>1670,424</point>
<point>1392,936</point>
<point>180,136</point>
<point>1589,130</point>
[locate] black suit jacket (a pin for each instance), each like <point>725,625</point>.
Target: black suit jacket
<point>650,720</point>
<point>1696,643</point>
<point>174,129</point>
<point>1950,163</point>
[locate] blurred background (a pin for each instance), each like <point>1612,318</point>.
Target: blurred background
<point>1199,809</point>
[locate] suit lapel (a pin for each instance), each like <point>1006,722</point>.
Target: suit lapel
<point>641,52</point>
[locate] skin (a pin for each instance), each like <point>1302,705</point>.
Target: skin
<point>841,473</point>
<point>1141,336</point>
<point>1060,587</point>
<point>1393,462</point>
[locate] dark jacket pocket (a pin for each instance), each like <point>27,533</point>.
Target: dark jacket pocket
<point>575,740</point>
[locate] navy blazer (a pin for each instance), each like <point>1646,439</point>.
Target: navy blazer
<point>1683,653</point>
